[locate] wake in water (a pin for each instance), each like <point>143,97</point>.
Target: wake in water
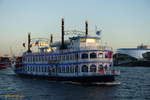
<point>94,84</point>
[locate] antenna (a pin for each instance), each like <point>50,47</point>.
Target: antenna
<point>95,28</point>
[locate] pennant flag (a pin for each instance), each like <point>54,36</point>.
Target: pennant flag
<point>98,32</point>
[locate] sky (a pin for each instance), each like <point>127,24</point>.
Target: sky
<point>124,23</point>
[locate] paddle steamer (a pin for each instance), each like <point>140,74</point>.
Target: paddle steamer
<point>80,58</point>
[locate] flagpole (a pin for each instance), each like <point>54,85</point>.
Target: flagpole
<point>95,29</point>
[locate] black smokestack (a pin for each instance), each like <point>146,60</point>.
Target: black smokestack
<point>51,38</point>
<point>62,31</point>
<point>86,28</point>
<point>29,41</point>
<point>62,35</point>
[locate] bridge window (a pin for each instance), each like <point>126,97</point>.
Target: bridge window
<point>84,56</point>
<point>93,55</point>
<point>93,68</point>
<point>84,68</point>
<point>100,55</point>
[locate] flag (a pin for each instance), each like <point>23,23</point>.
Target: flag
<point>98,32</point>
<point>37,42</point>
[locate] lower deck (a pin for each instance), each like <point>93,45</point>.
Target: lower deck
<point>67,70</point>
<point>81,79</point>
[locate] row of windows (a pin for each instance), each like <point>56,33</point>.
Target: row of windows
<point>92,68</point>
<point>55,69</point>
<point>36,69</point>
<point>92,55</point>
<point>66,69</point>
<point>65,57</point>
<point>50,58</point>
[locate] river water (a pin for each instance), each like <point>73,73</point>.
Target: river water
<point>135,85</point>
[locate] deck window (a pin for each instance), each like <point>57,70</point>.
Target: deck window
<point>72,69</point>
<point>76,56</point>
<point>38,68</point>
<point>40,58</point>
<point>76,68</point>
<point>59,69</point>
<point>84,56</point>
<point>63,57</point>
<point>43,69</point>
<point>46,69</point>
<point>33,69</point>
<point>84,68</point>
<point>67,69</point>
<point>63,69</point>
<point>93,68</point>
<point>101,65</point>
<point>67,57</point>
<point>93,55</point>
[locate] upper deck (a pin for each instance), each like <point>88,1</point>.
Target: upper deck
<point>86,43</point>
<point>76,42</point>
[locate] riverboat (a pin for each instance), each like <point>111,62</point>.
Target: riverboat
<point>80,58</point>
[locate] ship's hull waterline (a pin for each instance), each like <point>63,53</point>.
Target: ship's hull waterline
<point>86,79</point>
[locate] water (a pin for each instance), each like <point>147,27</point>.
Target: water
<point>135,85</point>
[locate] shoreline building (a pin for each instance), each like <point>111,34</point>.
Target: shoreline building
<point>127,56</point>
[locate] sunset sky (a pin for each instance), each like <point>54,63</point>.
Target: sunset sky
<point>124,23</point>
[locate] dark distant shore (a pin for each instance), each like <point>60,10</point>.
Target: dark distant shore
<point>128,60</point>
<point>135,63</point>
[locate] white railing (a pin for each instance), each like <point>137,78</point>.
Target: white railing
<point>95,48</point>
